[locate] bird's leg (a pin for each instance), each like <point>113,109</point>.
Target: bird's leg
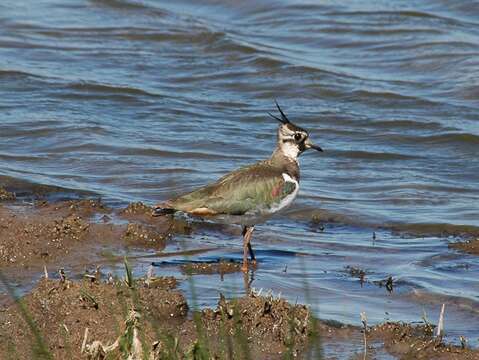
<point>244,268</point>
<point>247,232</point>
<point>251,253</point>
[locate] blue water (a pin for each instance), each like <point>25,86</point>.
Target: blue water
<point>142,100</point>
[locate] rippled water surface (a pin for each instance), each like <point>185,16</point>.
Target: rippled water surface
<point>140,100</point>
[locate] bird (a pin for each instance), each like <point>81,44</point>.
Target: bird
<point>251,194</point>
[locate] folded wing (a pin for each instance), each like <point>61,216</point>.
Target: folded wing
<point>254,188</point>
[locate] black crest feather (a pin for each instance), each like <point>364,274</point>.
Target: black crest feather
<point>284,119</point>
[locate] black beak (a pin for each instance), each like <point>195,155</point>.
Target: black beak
<point>309,145</point>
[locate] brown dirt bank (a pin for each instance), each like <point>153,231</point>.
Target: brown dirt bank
<point>60,311</point>
<point>51,322</point>
<point>72,232</point>
<point>417,342</point>
<point>45,233</point>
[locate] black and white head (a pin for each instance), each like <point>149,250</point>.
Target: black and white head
<point>292,139</point>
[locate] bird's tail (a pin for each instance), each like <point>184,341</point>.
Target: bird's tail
<point>159,211</point>
<point>163,209</point>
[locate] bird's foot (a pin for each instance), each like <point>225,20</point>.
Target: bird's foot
<point>247,264</point>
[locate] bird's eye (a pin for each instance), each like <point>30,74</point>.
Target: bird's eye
<point>297,136</point>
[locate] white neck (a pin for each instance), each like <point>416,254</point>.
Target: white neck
<point>289,149</point>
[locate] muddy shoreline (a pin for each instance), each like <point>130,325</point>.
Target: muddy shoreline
<point>49,236</point>
<point>468,246</point>
<point>96,318</point>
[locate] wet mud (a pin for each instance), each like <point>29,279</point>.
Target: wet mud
<point>6,195</point>
<point>408,341</point>
<point>218,267</point>
<point>110,317</point>
<point>126,316</point>
<point>468,246</point>
<point>47,232</point>
<point>141,235</point>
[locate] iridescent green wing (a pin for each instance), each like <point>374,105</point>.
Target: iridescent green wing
<point>258,186</point>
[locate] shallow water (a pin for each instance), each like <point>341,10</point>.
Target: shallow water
<point>140,100</point>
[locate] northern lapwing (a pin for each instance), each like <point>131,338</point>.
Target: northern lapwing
<point>253,193</point>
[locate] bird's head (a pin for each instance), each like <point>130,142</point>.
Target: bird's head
<point>292,139</point>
